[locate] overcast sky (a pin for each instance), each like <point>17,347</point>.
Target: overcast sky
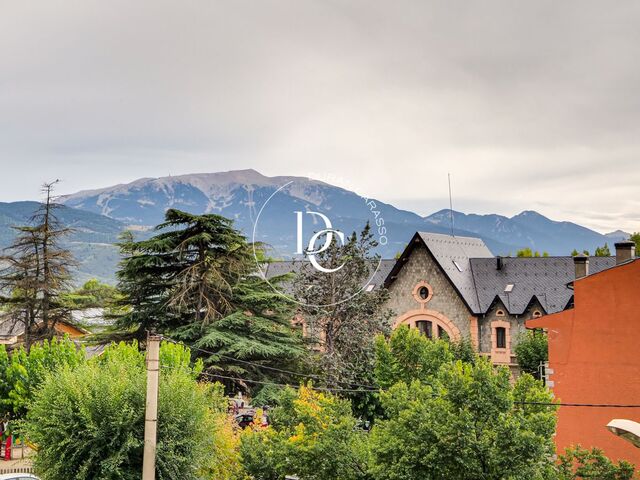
<point>529,105</point>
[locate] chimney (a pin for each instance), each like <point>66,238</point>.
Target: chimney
<point>581,262</point>
<point>625,251</point>
<point>499,262</point>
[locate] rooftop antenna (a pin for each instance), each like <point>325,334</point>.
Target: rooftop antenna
<point>450,205</point>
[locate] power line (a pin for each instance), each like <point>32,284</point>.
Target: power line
<point>366,388</point>
<point>267,367</point>
<point>264,382</point>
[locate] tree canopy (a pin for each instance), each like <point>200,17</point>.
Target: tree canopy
<point>197,280</point>
<point>88,421</point>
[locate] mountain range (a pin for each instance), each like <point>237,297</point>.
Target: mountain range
<point>245,196</point>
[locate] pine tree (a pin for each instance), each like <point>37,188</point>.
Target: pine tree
<point>197,281</point>
<point>38,271</point>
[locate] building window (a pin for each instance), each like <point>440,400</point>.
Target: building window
<point>501,337</point>
<point>422,293</point>
<point>537,314</point>
<point>425,327</point>
<point>442,334</point>
<point>500,313</point>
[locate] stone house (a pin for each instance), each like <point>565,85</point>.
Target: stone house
<point>454,287</point>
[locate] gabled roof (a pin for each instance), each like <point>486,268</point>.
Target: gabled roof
<point>545,278</point>
<point>453,255</point>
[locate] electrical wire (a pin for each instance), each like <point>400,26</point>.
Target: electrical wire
<point>267,367</point>
<point>366,388</point>
<point>263,382</point>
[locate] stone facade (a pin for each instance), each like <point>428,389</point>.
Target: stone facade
<point>444,306</point>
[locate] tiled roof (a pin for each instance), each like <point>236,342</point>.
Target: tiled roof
<point>545,278</point>
<point>472,270</point>
<point>454,254</point>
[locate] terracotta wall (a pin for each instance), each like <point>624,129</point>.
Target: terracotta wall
<point>594,352</point>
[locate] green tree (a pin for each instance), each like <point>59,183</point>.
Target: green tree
<point>36,272</point>
<point>88,421</point>
<point>465,425</point>
<point>408,356</point>
<point>197,280</point>
<point>449,413</point>
<point>23,372</point>
<point>531,350</point>
<point>93,294</point>
<point>527,252</point>
<point>636,238</point>
<point>575,253</point>
<point>578,463</point>
<point>603,251</point>
<point>313,435</point>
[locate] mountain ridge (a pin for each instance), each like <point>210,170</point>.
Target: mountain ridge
<point>239,194</point>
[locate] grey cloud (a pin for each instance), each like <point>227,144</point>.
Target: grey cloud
<point>528,104</point>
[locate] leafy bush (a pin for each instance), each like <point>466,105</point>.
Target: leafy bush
<point>88,421</point>
<point>578,463</point>
<point>532,349</point>
<point>22,372</point>
<point>313,435</point>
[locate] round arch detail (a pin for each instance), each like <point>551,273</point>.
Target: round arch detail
<point>412,316</point>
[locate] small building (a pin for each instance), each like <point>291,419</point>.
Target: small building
<point>594,354</point>
<point>12,332</point>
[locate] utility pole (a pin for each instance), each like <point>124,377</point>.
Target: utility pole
<point>151,410</point>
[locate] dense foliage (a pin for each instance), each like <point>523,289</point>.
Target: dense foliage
<point>527,252</point>
<point>313,436</point>
<point>23,372</point>
<point>446,418</point>
<point>88,421</point>
<point>196,280</point>
<point>92,294</point>
<point>580,464</point>
<point>531,350</point>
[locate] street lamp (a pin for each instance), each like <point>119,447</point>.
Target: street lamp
<point>626,429</point>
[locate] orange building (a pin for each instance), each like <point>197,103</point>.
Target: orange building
<point>594,355</point>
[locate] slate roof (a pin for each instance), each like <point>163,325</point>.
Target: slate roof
<point>472,270</point>
<point>453,254</point>
<point>544,278</point>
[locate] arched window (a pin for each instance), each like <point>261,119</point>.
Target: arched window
<point>425,327</point>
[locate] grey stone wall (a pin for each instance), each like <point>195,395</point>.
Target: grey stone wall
<point>516,325</point>
<point>422,267</point>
